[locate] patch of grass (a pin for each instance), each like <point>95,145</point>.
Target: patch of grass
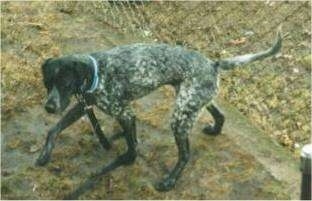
<point>154,117</point>
<point>26,41</point>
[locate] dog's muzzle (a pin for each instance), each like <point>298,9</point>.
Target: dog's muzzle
<point>53,103</point>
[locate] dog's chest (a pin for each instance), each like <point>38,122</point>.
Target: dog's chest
<point>109,97</point>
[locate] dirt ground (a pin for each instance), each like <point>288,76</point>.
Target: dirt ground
<point>33,31</point>
<point>218,169</point>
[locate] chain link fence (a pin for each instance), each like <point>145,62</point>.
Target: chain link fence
<point>275,93</point>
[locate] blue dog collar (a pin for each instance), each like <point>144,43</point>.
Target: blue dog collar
<point>95,75</point>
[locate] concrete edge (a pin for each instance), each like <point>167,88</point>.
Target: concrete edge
<point>276,159</point>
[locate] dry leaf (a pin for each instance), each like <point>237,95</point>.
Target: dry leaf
<point>239,41</point>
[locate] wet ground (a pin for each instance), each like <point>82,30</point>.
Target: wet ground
<point>219,168</point>
<point>242,163</point>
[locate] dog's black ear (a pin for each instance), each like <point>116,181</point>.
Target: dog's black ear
<point>50,67</point>
<point>81,74</point>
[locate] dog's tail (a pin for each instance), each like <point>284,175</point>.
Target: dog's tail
<point>230,63</point>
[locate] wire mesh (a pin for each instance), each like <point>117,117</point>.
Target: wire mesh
<point>220,29</point>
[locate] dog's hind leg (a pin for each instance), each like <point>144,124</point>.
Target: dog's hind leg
<point>73,115</point>
<point>169,182</point>
<point>127,122</point>
<point>189,102</point>
<point>218,117</point>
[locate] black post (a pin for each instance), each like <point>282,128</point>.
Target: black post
<point>305,167</point>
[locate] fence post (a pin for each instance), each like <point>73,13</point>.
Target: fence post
<point>305,167</point>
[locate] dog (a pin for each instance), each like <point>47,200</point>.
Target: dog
<point>115,77</point>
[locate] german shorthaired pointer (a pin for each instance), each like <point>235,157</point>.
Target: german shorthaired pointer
<point>114,78</point>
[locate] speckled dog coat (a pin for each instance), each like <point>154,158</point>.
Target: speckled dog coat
<point>132,71</point>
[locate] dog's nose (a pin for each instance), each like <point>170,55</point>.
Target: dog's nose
<point>50,108</point>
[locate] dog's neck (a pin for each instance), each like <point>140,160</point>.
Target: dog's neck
<point>87,74</point>
<point>95,78</point>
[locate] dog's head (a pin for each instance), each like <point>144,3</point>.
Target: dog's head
<point>62,78</point>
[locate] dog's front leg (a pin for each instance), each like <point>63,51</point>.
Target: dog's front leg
<point>73,115</point>
<point>127,122</point>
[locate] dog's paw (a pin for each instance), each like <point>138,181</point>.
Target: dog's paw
<point>211,130</point>
<point>127,158</point>
<point>165,185</point>
<point>42,160</point>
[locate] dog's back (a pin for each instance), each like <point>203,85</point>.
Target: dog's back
<point>144,67</point>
